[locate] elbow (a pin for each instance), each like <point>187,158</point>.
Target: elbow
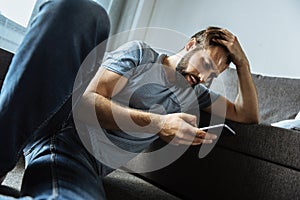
<point>253,121</point>
<point>85,109</point>
<point>246,116</point>
<point>250,119</point>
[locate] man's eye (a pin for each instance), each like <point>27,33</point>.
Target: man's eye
<point>207,66</point>
<point>210,79</point>
<point>213,75</point>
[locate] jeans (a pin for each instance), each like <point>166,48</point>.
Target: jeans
<point>35,102</point>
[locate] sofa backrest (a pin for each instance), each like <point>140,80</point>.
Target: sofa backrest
<point>5,60</point>
<point>279,98</point>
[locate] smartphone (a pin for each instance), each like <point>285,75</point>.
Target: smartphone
<point>218,126</point>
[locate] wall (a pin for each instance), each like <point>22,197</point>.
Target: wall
<point>268,30</point>
<point>11,34</point>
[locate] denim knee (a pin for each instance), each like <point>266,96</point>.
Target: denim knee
<point>78,11</point>
<point>41,76</point>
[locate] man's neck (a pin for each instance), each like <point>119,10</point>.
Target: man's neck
<point>173,60</point>
<point>170,63</point>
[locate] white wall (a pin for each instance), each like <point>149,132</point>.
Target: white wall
<point>269,30</point>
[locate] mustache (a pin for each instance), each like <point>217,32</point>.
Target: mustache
<point>181,70</point>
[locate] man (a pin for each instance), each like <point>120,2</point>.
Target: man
<point>118,92</point>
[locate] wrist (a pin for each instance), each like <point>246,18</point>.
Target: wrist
<point>157,123</point>
<point>243,64</point>
<point>243,67</point>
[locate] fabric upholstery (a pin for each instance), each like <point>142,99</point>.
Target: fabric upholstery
<point>279,98</point>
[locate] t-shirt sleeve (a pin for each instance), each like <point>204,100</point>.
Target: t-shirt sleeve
<point>124,59</point>
<point>205,96</point>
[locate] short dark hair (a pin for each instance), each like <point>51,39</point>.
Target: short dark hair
<point>205,38</point>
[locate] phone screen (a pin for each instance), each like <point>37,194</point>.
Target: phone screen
<point>218,126</point>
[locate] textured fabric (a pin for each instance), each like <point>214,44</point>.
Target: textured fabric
<point>259,162</point>
<point>59,167</point>
<point>278,98</point>
<point>263,141</point>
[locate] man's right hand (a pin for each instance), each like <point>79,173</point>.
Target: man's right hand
<point>181,128</point>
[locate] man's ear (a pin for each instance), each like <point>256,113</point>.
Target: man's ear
<point>191,44</point>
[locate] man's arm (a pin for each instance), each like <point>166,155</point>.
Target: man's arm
<point>179,126</point>
<point>245,107</point>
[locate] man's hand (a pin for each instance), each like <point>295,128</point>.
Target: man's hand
<point>180,128</point>
<point>232,44</point>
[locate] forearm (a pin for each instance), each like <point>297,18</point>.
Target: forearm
<point>110,115</point>
<point>246,103</point>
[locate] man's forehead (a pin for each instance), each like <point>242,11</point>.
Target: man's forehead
<point>201,54</point>
<point>219,49</point>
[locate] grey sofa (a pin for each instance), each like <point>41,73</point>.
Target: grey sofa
<point>260,162</point>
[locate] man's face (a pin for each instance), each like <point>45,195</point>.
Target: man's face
<point>202,66</point>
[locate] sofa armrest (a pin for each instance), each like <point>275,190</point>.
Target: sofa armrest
<point>259,162</point>
<point>273,144</point>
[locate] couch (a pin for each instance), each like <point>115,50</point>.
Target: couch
<point>260,162</point>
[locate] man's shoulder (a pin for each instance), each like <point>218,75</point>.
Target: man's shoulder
<point>137,44</point>
<point>142,50</point>
<point>135,49</point>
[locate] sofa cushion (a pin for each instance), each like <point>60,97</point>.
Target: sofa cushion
<point>279,98</point>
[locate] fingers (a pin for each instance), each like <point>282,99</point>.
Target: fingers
<point>225,38</point>
<point>181,128</point>
<point>207,138</point>
<point>220,34</point>
<point>194,137</point>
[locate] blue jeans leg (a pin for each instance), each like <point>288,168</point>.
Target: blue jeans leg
<point>35,97</point>
<point>59,167</point>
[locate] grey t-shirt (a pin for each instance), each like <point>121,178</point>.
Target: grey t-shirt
<point>149,89</point>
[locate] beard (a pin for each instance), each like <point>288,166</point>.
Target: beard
<point>181,70</point>
<point>182,65</point>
